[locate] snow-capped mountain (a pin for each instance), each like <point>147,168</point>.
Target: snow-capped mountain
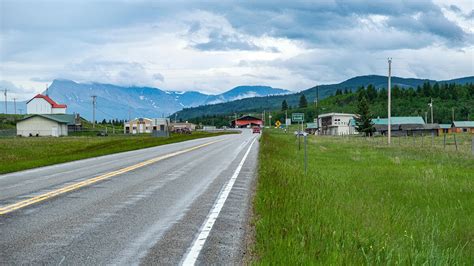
<point>117,102</point>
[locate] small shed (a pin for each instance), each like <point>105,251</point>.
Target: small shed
<point>463,126</point>
<point>44,125</point>
<point>444,128</point>
<point>311,128</point>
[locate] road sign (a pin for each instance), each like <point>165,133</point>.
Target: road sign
<point>277,123</point>
<point>288,122</point>
<point>297,117</point>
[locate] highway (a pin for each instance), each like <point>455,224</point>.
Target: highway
<point>182,203</point>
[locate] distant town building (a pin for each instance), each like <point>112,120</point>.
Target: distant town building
<point>311,128</point>
<point>336,124</point>
<point>146,125</point>
<point>247,121</point>
<point>405,125</point>
<point>444,128</point>
<point>43,104</point>
<point>48,125</point>
<point>181,126</point>
<point>463,126</point>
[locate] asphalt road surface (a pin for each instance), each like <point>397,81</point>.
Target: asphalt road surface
<point>181,203</point>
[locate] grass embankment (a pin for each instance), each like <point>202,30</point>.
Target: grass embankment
<point>24,153</point>
<point>362,204</point>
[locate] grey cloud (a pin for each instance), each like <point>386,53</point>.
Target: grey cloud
<point>159,77</point>
<point>225,42</point>
<point>455,8</point>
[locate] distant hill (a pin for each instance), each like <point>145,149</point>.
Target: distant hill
<point>274,102</point>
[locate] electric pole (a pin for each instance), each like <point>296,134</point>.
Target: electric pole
<point>14,105</point>
<point>5,94</point>
<point>94,97</point>
<point>426,117</point>
<point>452,111</point>
<point>389,99</point>
<point>431,107</point>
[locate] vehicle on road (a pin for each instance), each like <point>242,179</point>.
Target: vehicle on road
<point>256,130</point>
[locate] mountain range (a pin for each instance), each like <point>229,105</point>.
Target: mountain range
<point>117,102</point>
<point>320,92</point>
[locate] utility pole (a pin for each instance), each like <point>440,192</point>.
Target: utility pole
<point>235,120</point>
<point>94,97</point>
<point>452,111</point>
<point>431,106</point>
<point>5,94</point>
<point>389,99</point>
<point>14,105</point>
<point>426,116</point>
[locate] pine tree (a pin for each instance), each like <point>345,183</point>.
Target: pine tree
<point>303,101</point>
<point>284,105</point>
<point>364,122</point>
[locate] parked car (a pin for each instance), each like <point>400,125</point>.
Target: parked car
<point>256,130</point>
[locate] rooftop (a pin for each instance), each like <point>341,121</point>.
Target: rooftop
<point>49,100</point>
<point>336,114</point>
<point>60,118</point>
<point>463,123</point>
<point>399,120</point>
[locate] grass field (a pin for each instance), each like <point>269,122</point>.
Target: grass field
<point>25,153</point>
<point>361,203</point>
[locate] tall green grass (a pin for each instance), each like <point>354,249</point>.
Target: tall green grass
<point>24,153</point>
<point>362,204</point>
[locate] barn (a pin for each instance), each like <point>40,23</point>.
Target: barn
<point>247,121</point>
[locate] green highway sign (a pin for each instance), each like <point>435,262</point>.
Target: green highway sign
<point>297,117</point>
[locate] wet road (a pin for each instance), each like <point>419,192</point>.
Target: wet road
<point>141,207</point>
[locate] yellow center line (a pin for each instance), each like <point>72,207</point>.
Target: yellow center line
<point>21,204</point>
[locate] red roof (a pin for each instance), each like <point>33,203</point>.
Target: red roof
<point>49,100</point>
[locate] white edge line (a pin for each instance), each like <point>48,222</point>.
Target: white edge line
<point>195,249</point>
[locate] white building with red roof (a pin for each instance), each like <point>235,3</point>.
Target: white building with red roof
<point>42,104</point>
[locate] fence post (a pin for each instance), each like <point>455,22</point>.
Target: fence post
<point>444,141</point>
<point>305,156</point>
<point>455,142</point>
<point>472,145</point>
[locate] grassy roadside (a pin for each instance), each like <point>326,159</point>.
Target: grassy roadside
<point>24,153</point>
<point>362,204</point>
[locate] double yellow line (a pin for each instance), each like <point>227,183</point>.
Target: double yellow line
<point>21,204</point>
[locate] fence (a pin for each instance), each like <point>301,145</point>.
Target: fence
<point>461,143</point>
<point>7,132</point>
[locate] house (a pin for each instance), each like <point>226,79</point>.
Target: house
<point>336,124</point>
<point>444,128</point>
<point>247,121</point>
<point>46,125</point>
<point>146,125</point>
<point>408,122</point>
<point>180,126</point>
<point>42,104</point>
<point>463,126</point>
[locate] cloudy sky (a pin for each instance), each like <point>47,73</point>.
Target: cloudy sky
<point>215,45</point>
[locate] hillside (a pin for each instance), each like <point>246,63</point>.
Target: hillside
<point>274,102</point>
<point>405,102</point>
